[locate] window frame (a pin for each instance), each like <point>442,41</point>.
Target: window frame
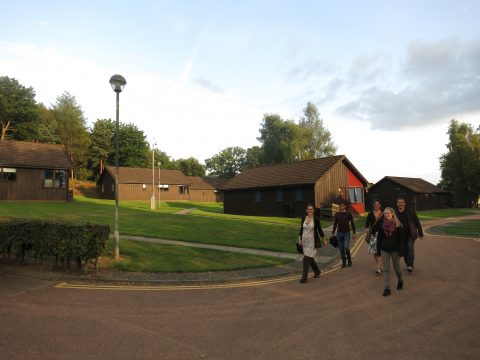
<point>7,178</point>
<point>54,179</point>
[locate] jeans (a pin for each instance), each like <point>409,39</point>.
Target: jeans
<point>344,246</point>
<point>410,251</point>
<point>386,256</point>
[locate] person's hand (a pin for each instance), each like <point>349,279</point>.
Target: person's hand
<point>325,242</point>
<point>353,236</point>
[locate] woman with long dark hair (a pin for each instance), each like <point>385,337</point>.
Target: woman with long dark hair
<point>309,237</point>
<point>373,218</point>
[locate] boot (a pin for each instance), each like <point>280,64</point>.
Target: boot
<point>344,260</point>
<point>315,268</point>
<point>306,265</point>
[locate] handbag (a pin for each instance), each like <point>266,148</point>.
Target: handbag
<point>372,244</point>
<point>368,235</point>
<point>333,241</point>
<point>299,247</point>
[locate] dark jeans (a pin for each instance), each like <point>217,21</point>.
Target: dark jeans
<point>410,251</point>
<point>307,263</point>
<point>344,246</point>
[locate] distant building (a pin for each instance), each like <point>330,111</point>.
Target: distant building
<point>286,189</point>
<point>136,184</point>
<point>418,193</point>
<point>34,171</point>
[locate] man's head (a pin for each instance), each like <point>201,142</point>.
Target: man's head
<point>401,204</point>
<point>342,206</point>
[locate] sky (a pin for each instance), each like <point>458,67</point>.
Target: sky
<point>386,76</point>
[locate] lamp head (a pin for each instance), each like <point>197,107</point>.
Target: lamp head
<point>117,82</point>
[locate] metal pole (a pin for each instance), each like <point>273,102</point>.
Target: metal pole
<point>159,164</point>
<point>116,234</point>
<point>152,200</point>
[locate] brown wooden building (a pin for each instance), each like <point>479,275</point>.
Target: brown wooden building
<point>206,188</point>
<point>418,193</point>
<point>136,184</point>
<point>33,171</point>
<point>287,189</point>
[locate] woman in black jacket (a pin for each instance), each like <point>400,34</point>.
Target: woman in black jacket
<point>390,245</point>
<point>309,237</point>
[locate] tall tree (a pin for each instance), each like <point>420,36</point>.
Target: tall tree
<point>279,139</point>
<point>315,139</point>
<point>134,150</point>
<point>253,157</point>
<point>190,167</point>
<point>227,163</point>
<point>460,166</point>
<point>101,144</point>
<point>18,110</point>
<point>72,129</point>
<point>46,126</point>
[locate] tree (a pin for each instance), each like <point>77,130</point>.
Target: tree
<point>316,140</point>
<point>227,163</point>
<point>190,167</point>
<point>279,140</point>
<point>253,157</point>
<point>101,144</point>
<point>46,126</point>
<point>18,110</point>
<point>460,166</point>
<point>71,129</point>
<point>134,150</point>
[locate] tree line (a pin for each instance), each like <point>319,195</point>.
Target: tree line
<point>91,149</point>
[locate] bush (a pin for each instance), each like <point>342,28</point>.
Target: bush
<point>59,241</point>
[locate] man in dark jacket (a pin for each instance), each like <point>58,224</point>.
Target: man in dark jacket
<point>412,228</point>
<point>343,220</point>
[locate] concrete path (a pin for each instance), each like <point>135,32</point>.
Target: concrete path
<point>185,211</point>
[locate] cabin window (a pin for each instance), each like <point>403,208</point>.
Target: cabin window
<point>356,195</point>
<point>54,179</point>
<point>299,195</point>
<point>257,196</point>
<point>8,174</point>
<point>279,195</point>
<point>204,192</point>
<point>163,187</point>
<point>183,189</point>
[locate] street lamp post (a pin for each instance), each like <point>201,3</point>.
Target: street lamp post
<point>152,200</point>
<point>159,190</point>
<point>117,82</point>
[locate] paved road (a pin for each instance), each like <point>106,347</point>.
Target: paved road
<point>341,315</point>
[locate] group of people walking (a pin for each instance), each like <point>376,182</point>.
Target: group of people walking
<point>390,233</point>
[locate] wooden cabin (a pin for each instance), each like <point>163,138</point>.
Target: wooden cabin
<point>287,189</point>
<point>168,185</point>
<point>419,194</point>
<point>34,171</point>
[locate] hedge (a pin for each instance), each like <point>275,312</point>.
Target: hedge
<point>57,240</point>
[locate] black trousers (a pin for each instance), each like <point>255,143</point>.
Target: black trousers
<point>307,263</point>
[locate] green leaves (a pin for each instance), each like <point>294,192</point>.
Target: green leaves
<point>53,239</point>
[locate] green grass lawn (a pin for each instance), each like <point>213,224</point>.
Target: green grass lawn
<point>136,218</point>
<point>148,257</point>
<point>462,228</point>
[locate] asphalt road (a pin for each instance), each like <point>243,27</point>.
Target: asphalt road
<point>341,315</point>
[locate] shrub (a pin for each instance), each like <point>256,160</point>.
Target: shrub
<point>57,240</point>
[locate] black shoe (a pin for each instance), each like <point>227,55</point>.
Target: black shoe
<point>349,264</point>
<point>344,265</point>
<point>303,281</point>
<point>400,285</point>
<point>410,269</point>
<point>386,292</point>
<point>317,274</point>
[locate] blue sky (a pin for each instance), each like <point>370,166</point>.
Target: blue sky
<point>387,76</point>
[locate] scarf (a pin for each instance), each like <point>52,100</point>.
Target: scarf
<point>388,227</point>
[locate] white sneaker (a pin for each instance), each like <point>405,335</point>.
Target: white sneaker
<point>409,269</point>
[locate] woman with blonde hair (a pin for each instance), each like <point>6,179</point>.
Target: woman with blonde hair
<point>391,246</point>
